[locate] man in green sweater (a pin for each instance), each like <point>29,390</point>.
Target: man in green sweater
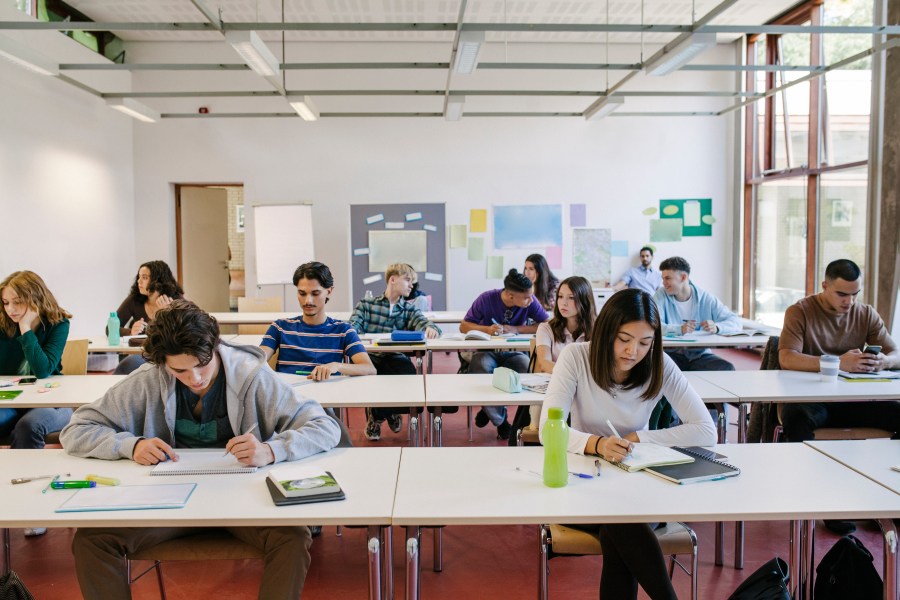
<point>196,392</point>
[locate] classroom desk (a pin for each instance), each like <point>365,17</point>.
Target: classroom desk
<point>366,474</point>
<point>73,391</point>
<point>368,339</point>
<point>265,318</point>
<point>709,340</point>
<point>373,391</point>
<point>481,486</point>
<point>869,458</point>
<point>100,344</point>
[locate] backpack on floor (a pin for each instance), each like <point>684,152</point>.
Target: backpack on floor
<point>846,571</point>
<point>12,588</point>
<point>769,582</point>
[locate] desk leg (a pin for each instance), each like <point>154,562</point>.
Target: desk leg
<point>809,562</point>
<point>412,563</point>
<point>891,573</point>
<point>387,562</point>
<point>738,544</point>
<point>742,422</point>
<point>804,553</point>
<point>437,425</point>
<point>375,563</point>
<point>413,428</point>
<point>722,426</point>
<point>420,363</point>
<point>720,544</point>
<point>469,421</point>
<point>6,567</point>
<point>429,360</point>
<point>794,568</point>
<point>438,558</point>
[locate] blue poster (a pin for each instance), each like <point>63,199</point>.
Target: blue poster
<point>527,226</point>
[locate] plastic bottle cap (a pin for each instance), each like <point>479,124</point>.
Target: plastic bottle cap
<point>555,413</point>
<point>113,313</point>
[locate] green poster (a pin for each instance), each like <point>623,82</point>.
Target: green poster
<point>495,267</point>
<point>457,236</point>
<point>476,248</point>
<point>695,215</point>
<point>665,230</point>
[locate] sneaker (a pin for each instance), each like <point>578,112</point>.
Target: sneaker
<point>481,418</point>
<point>315,530</point>
<point>395,422</point>
<point>503,430</point>
<point>35,531</point>
<point>840,527</point>
<point>373,429</point>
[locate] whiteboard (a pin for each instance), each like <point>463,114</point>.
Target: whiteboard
<point>284,241</point>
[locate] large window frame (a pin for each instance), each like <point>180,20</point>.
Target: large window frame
<point>760,147</point>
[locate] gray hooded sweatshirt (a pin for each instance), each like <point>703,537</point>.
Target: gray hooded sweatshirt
<point>143,406</point>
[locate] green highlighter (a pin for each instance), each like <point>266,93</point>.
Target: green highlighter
<point>72,483</point>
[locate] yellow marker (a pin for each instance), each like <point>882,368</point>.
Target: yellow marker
<point>103,480</point>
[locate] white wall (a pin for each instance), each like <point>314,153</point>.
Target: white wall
<point>617,166</point>
<point>66,194</point>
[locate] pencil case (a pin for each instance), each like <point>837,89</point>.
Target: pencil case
<point>407,336</point>
<point>507,380</point>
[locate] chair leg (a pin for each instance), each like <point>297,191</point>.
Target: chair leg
<point>671,566</point>
<point>159,578</point>
<point>695,565</point>
<point>776,433</point>
<point>544,564</point>
<point>469,421</point>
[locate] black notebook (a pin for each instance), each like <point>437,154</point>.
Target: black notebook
<point>281,500</point>
<point>707,466</point>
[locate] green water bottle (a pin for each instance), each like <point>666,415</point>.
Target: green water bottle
<point>556,443</point>
<point>112,329</point>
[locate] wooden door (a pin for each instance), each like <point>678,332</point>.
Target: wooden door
<point>203,246</point>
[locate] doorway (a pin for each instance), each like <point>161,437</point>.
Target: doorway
<point>210,244</point>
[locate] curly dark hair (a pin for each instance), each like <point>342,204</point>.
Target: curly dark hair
<point>584,300</point>
<point>181,328</point>
<point>517,282</point>
<point>624,307</point>
<point>161,280</point>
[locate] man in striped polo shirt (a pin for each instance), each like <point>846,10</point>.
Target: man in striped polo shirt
<point>314,344</point>
<point>384,314</point>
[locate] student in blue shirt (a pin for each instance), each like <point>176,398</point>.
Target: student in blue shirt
<point>314,343</point>
<point>643,277</point>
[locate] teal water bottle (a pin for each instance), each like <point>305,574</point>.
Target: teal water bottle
<point>556,443</point>
<point>112,329</point>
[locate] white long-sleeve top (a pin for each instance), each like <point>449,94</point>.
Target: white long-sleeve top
<point>574,390</point>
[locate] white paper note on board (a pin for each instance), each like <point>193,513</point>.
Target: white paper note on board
<point>393,225</point>
<point>375,219</point>
<point>414,216</point>
<point>371,279</point>
<point>429,227</point>
<point>360,251</point>
<point>434,277</point>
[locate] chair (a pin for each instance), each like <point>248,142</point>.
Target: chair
<point>270,304</point>
<point>75,357</point>
<point>559,540</point>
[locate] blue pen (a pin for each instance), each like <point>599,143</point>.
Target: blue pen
<point>582,475</point>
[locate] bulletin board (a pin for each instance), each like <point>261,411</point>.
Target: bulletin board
<point>381,234</point>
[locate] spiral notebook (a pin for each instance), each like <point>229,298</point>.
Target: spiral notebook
<point>202,463</point>
<point>707,466</point>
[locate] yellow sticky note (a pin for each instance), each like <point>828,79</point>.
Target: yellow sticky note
<point>478,220</point>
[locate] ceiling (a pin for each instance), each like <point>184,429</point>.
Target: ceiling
<point>335,50</point>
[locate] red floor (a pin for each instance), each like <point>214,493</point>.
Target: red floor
<point>483,562</point>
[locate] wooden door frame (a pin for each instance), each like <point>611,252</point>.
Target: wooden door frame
<point>178,186</point>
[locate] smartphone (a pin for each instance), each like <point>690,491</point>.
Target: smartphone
<point>876,350</point>
<point>27,380</point>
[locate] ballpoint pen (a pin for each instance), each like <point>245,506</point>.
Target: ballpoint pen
<point>55,477</point>
<point>616,433</point>
<point>248,431</point>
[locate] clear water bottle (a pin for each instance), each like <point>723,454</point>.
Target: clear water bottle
<point>112,329</point>
<point>369,295</point>
<point>555,437</point>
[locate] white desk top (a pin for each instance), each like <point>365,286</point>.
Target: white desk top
<point>474,486</point>
<point>496,343</point>
<point>367,340</point>
<point>382,391</point>
<point>708,340</point>
<point>870,458</point>
<point>101,344</point>
<point>708,392</point>
<point>473,390</point>
<point>264,318</point>
<point>73,391</point>
<point>797,386</point>
<point>366,474</point>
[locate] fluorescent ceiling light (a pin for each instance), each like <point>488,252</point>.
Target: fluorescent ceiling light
<point>305,108</point>
<point>467,51</point>
<point>254,52</point>
<point>603,107</point>
<point>133,108</point>
<point>454,110</point>
<point>681,54</point>
<point>26,58</point>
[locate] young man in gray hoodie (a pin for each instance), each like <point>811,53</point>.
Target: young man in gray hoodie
<point>196,392</point>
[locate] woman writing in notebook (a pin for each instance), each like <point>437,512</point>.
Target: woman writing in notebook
<point>617,379</point>
<point>543,279</point>
<point>154,288</point>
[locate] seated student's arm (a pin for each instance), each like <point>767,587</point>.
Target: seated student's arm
<point>623,283</point>
<point>671,324</point>
<point>359,320</point>
<point>889,357</point>
<point>467,326</point>
<point>126,316</point>
<point>543,351</point>
<point>290,427</point>
<point>537,314</point>
<point>417,321</point>
<point>271,340</point>
<point>696,428</point>
<point>722,320</point>
<point>790,344</point>
<point>360,363</point>
<point>43,359</point>
<point>475,316</point>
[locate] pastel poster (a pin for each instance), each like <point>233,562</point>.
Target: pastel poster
<point>696,215</point>
<point>527,226</point>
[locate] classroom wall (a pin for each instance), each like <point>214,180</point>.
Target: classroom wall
<point>66,194</point>
<point>617,166</point>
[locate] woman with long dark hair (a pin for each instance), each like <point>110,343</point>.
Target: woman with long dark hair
<point>618,377</point>
<point>543,279</point>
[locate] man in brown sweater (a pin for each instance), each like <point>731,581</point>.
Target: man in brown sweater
<point>832,322</point>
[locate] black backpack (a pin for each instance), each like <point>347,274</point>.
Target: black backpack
<point>769,582</point>
<point>12,588</point>
<point>846,571</point>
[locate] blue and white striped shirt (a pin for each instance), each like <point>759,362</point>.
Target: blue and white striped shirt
<point>302,347</point>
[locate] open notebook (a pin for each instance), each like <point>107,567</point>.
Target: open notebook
<point>201,462</point>
<point>651,455</point>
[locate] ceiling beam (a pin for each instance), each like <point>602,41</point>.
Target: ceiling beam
<point>425,93</point>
